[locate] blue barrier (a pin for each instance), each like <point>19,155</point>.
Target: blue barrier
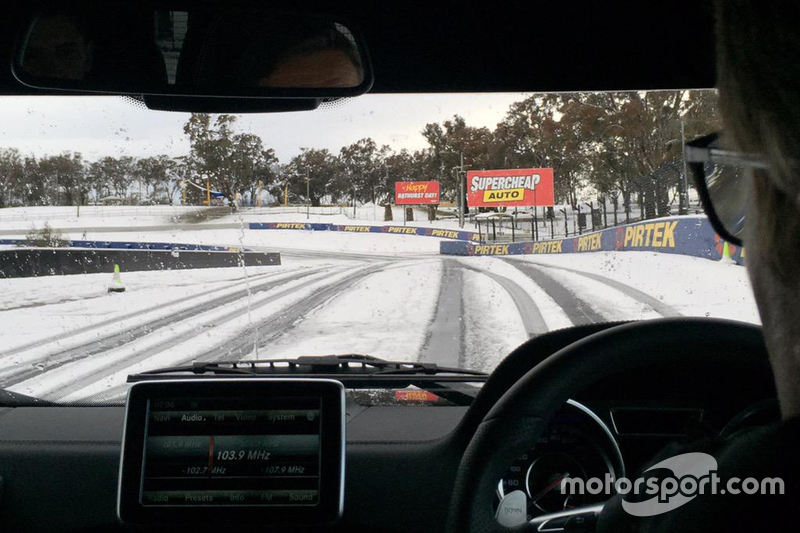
<point>354,228</point>
<point>692,236</point>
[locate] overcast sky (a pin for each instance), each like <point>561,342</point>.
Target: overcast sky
<point>100,126</point>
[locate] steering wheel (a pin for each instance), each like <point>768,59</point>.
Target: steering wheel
<point>520,416</point>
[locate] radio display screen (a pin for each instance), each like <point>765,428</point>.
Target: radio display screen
<point>271,451</point>
<point>232,451</point>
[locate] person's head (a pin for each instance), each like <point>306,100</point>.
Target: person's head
<point>59,47</point>
<point>326,59</point>
<point>303,54</point>
<point>759,88</point>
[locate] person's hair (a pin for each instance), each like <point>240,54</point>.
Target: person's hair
<point>758,77</point>
<point>274,47</point>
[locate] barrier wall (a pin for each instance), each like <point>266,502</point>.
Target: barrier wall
<point>691,236</point>
<point>31,262</point>
<point>353,228</point>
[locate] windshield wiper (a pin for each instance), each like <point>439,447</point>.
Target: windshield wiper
<point>356,365</point>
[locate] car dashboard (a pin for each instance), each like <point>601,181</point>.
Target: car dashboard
<point>59,466</point>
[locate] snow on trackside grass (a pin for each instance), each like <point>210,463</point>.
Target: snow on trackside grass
<point>385,315</point>
<point>692,285</point>
<point>197,335</point>
<point>37,349</point>
<point>123,217</point>
<point>492,325</point>
<point>554,316</point>
<point>364,215</point>
<point>32,309</point>
<point>17,218</point>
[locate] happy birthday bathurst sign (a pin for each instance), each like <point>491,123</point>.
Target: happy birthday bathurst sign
<point>416,192</point>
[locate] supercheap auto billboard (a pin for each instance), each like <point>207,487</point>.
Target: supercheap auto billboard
<point>416,192</point>
<point>519,187</point>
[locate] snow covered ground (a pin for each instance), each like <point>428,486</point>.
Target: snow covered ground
<point>23,218</point>
<point>691,285</point>
<point>392,296</point>
<point>123,218</point>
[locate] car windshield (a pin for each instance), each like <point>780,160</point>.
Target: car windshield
<point>441,228</point>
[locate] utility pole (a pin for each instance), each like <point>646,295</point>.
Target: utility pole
<point>461,178</point>
<point>591,213</point>
<point>535,233</point>
<point>683,208</point>
<point>457,170</point>
<point>308,195</point>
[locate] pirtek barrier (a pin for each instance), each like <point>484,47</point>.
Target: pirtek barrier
<point>390,230</point>
<point>691,236</point>
<point>29,262</point>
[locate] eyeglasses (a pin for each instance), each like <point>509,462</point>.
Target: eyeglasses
<point>720,179</point>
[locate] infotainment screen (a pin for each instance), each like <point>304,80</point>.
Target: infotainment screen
<point>271,449</point>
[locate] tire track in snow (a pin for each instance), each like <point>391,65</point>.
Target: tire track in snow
<point>362,256</point>
<point>579,311</point>
<point>444,344</point>
<point>283,322</point>
<point>286,318</point>
<point>115,366</point>
<point>56,360</point>
<point>529,312</point>
<point>144,311</point>
<point>658,306</point>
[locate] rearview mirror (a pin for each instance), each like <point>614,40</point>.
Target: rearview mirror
<point>225,52</point>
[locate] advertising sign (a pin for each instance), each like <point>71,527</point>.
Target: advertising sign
<point>685,236</point>
<point>519,187</point>
<point>416,192</point>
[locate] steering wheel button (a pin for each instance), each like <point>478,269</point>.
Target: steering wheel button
<point>581,522</point>
<point>513,509</point>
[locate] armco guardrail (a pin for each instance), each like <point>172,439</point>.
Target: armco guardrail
<point>354,228</point>
<point>691,236</point>
<point>31,262</point>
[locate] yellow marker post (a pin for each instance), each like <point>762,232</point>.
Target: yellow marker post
<point>116,281</point>
<point>726,253</point>
<point>208,192</point>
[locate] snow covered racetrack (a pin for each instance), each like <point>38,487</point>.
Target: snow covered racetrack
<point>65,338</point>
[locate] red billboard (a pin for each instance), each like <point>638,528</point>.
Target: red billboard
<point>416,192</point>
<point>518,187</point>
